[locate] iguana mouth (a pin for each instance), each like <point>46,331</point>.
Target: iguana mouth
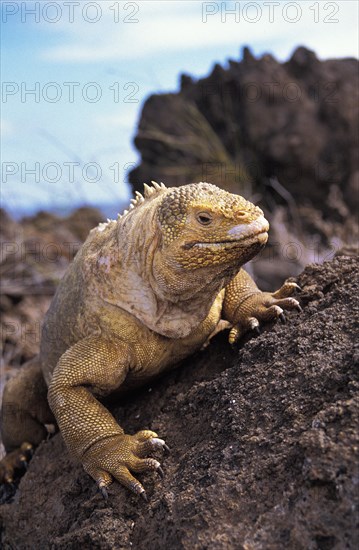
<point>232,243</point>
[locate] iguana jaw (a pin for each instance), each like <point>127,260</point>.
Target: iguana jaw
<point>242,235</point>
<point>233,243</point>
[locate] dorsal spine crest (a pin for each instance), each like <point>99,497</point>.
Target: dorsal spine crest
<point>149,192</point>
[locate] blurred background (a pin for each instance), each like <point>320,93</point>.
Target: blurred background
<point>76,75</point>
<point>260,98</point>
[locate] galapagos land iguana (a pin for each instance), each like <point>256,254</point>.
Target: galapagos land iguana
<point>144,291</point>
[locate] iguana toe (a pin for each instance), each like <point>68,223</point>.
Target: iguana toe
<point>116,457</point>
<point>286,290</point>
<point>103,490</point>
<point>263,307</point>
<point>153,444</point>
<point>14,462</point>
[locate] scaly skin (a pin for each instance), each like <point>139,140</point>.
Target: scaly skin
<point>144,292</point>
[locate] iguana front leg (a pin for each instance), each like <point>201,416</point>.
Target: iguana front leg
<point>245,306</point>
<point>94,365</point>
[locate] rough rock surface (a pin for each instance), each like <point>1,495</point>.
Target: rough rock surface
<point>34,255</point>
<point>284,135</point>
<point>259,119</point>
<point>264,444</point>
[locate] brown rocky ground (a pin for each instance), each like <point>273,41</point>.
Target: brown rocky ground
<point>264,444</point>
<point>34,255</point>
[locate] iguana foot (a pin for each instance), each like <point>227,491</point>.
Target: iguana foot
<point>116,456</point>
<point>15,462</point>
<point>263,307</point>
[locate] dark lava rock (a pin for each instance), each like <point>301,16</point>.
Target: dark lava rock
<point>256,120</point>
<point>264,444</point>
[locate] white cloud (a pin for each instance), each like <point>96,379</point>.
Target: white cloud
<point>167,27</point>
<point>7,128</point>
<point>110,122</point>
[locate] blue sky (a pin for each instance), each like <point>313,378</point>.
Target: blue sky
<point>92,64</point>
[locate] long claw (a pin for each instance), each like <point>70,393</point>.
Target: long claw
<point>143,495</point>
<point>299,308</point>
<point>253,323</point>
<point>282,318</point>
<point>158,443</point>
<point>166,448</point>
<point>160,472</point>
<point>103,491</point>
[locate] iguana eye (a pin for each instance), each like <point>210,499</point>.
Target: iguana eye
<point>204,218</point>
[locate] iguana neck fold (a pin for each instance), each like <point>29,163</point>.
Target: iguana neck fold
<point>142,262</point>
<point>120,270</point>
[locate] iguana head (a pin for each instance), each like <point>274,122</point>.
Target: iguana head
<point>168,256</point>
<point>207,233</point>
